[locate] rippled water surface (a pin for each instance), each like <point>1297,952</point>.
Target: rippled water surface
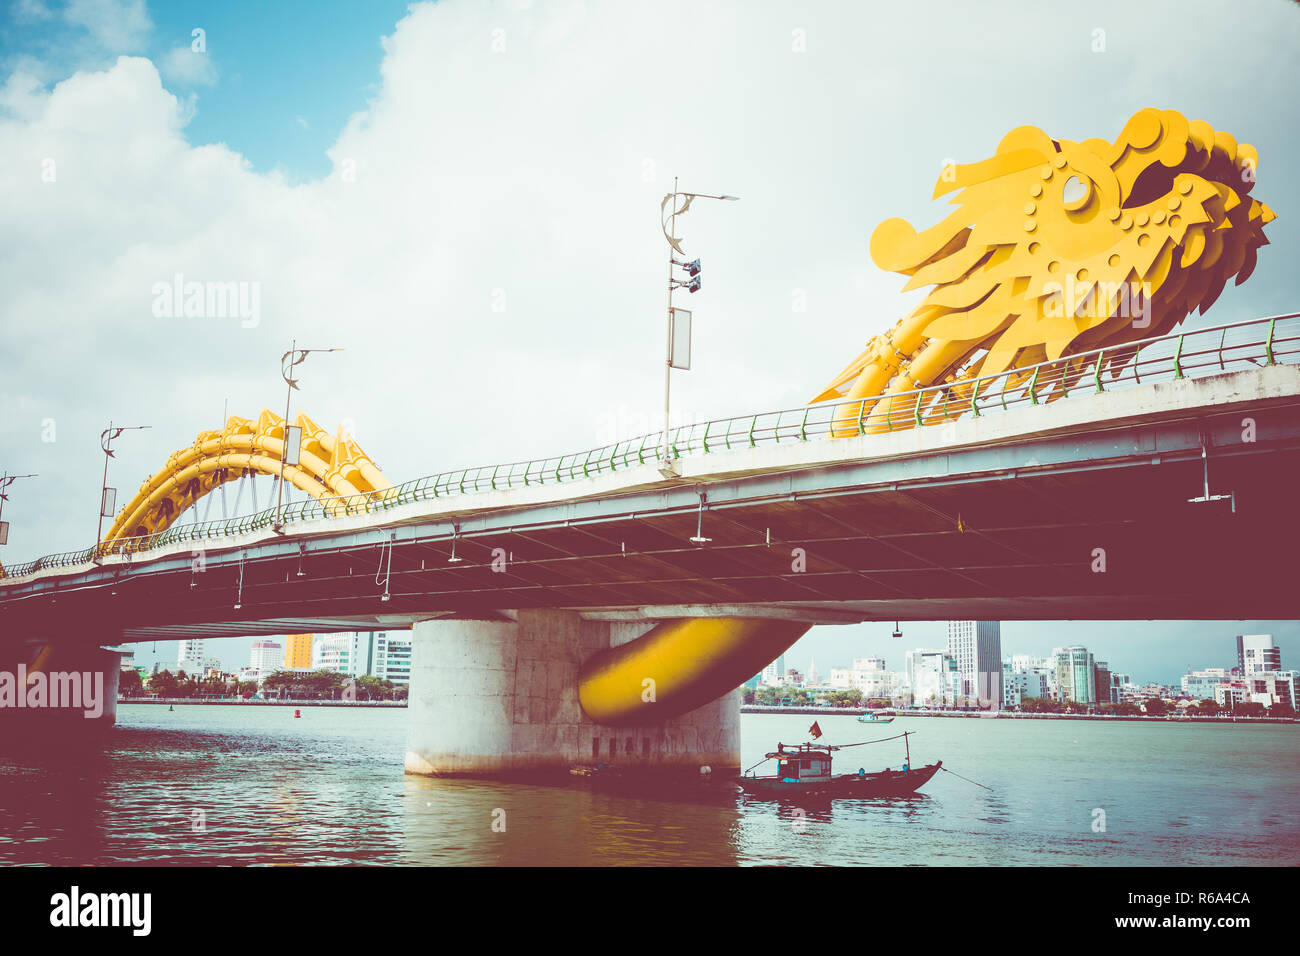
<point>245,785</point>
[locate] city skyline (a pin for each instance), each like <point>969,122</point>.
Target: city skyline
<point>1197,644</point>
<point>1215,647</point>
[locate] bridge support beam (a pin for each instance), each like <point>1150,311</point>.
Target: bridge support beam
<point>500,698</point>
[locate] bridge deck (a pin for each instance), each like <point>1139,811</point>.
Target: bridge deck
<point>994,517</point>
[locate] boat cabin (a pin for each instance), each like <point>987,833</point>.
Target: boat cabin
<point>807,763</point>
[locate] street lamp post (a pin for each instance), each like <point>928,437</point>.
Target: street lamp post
<point>5,481</point>
<point>677,349</point>
<point>107,503</point>
<point>292,433</point>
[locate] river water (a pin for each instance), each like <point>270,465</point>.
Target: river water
<point>253,785</point>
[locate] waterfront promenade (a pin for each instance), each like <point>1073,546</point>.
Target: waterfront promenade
<point>252,702</point>
<point>1013,715</point>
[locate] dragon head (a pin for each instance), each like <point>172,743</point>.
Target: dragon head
<point>1058,247</point>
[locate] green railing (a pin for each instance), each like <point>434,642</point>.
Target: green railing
<point>1192,354</point>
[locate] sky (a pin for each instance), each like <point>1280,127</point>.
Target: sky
<point>464,197</point>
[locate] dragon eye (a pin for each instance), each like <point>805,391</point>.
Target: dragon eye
<point>1075,192</point>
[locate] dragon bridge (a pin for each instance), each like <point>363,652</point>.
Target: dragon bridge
<point>1055,249</point>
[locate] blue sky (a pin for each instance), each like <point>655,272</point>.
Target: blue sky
<point>465,197</point>
<point>283,78</point>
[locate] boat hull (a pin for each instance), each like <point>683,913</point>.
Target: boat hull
<point>895,783</point>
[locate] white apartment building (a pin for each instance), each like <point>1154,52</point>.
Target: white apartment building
<point>193,657</point>
<point>774,673</point>
<point>1017,686</point>
<point>1256,654</point>
<point>266,658</point>
<point>1273,687</point>
<point>931,677</point>
<point>870,677</point>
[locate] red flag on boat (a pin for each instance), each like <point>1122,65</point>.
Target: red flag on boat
<point>815,730</point>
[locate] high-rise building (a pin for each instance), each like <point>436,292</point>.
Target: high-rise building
<point>774,673</point>
<point>976,647</point>
<point>1102,683</point>
<point>192,657</point>
<point>931,677</point>
<point>1018,686</point>
<point>1256,654</point>
<point>1075,674</point>
<point>376,653</point>
<point>298,652</point>
<point>392,659</point>
<point>265,659</point>
<point>347,653</point>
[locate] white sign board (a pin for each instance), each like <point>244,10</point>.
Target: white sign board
<point>679,339</point>
<point>106,507</point>
<point>292,444</point>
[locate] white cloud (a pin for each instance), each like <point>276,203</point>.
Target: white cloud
<point>119,26</point>
<point>527,179</point>
<point>186,67</point>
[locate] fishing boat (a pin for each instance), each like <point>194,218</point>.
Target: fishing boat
<point>873,718</point>
<point>805,770</point>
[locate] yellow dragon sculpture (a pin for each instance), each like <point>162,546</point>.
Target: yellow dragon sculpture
<point>1058,248</point>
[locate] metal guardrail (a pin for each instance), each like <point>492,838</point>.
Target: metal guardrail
<point>1255,343</point>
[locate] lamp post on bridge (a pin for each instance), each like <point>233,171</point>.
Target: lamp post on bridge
<point>5,481</point>
<point>292,433</point>
<point>107,495</point>
<point>679,320</point>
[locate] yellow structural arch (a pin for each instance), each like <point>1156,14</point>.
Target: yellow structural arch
<point>330,466</point>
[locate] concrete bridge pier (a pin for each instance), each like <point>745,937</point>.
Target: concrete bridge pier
<point>47,690</point>
<point>500,698</point>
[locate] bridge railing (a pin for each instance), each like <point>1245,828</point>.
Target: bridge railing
<point>1195,353</point>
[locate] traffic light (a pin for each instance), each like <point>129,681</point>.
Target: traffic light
<point>693,270</point>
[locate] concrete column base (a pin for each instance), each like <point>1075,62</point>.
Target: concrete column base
<point>500,698</point>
